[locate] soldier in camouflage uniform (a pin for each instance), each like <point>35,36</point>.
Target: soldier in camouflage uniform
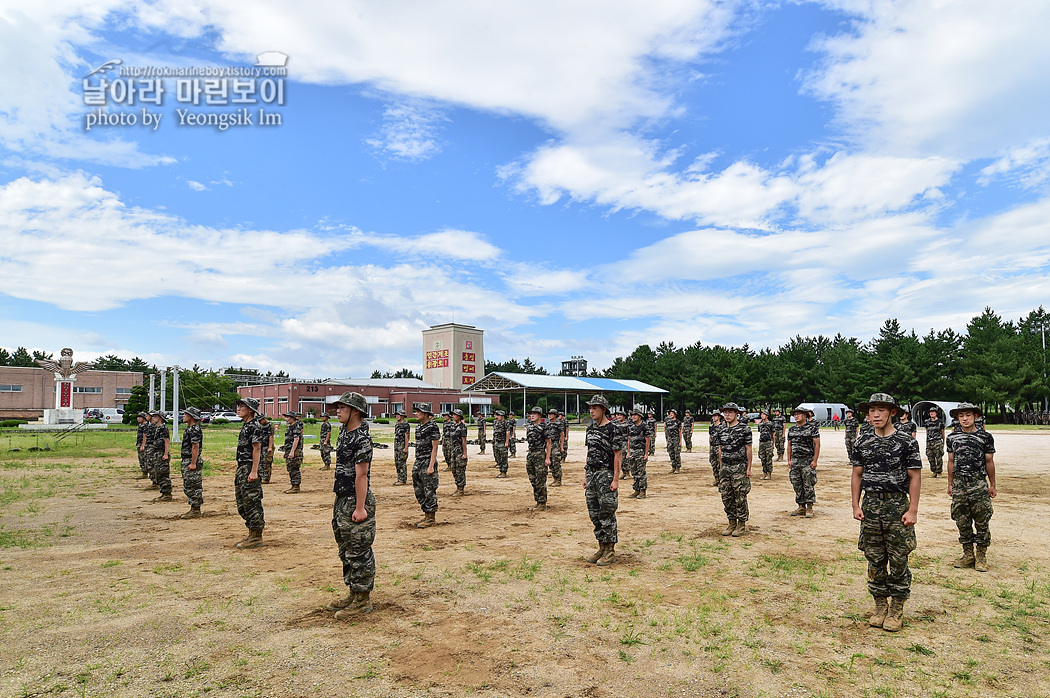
<point>457,451</point>
<point>158,450</point>
<point>971,485</point>
<point>555,436</point>
<point>192,462</point>
<point>734,475</point>
<point>712,446</point>
<point>601,479</point>
<point>803,449</point>
<point>538,458</point>
<point>424,469</point>
<point>268,447</point>
<point>293,451</point>
<point>637,447</point>
<point>851,433</point>
<point>887,468</point>
<point>140,444</point>
<point>247,486</point>
<point>765,445</point>
<point>687,431</point>
<point>651,423</point>
<point>564,423</point>
<point>446,439</point>
<point>512,434</point>
<point>401,429</point>
<point>618,417</point>
<point>499,443</point>
<point>935,442</point>
<point>906,425</point>
<point>481,430</point>
<point>354,511</point>
<point>673,439</point>
<point>326,442</point>
<point>778,434</point>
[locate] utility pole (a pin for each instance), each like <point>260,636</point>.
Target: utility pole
<point>152,391</point>
<point>1042,331</point>
<point>175,404</point>
<point>163,387</point>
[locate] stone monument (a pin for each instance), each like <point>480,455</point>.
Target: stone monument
<point>65,376</point>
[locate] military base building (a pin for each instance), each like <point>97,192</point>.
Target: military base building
<point>26,392</point>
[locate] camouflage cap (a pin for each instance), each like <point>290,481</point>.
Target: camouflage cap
<point>635,410</point>
<point>878,399</point>
<point>672,411</point>
<point>399,413</point>
<point>251,403</point>
<point>731,406</point>
<point>599,401</point>
<point>536,410</point>
<point>688,412</point>
<point>965,407</point>
<point>553,410</point>
<point>193,412</point>
<point>355,400</point>
<point>905,409</point>
<point>144,415</point>
<point>457,413</point>
<point>422,407</point>
<point>500,413</point>
<point>803,410</point>
<point>293,414</point>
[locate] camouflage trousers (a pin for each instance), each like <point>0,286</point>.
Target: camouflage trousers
<point>265,466</point>
<point>886,543</point>
<point>849,447</point>
<point>804,479</point>
<point>425,486</point>
<point>193,485</point>
<point>481,439</point>
<point>161,469</point>
<point>688,436</point>
<point>249,496</point>
<point>602,504</point>
<point>499,452</point>
<point>765,455</point>
<point>401,465</point>
<point>652,445</point>
<point>778,440</point>
<point>713,456</point>
<point>355,539</point>
<point>295,470</point>
<point>674,452</point>
<point>512,447</point>
<point>445,455</point>
<point>536,467</point>
<point>326,455</point>
<point>556,460</point>
<point>935,454</point>
<point>972,511</point>
<point>143,466</point>
<point>459,467</point>
<point>636,467</point>
<point>734,485</point>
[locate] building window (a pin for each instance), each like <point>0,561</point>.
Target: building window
<point>123,391</point>
<point>10,388</point>
<point>80,389</point>
<point>449,406</point>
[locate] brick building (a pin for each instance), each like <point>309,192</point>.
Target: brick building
<point>26,392</point>
<point>453,355</point>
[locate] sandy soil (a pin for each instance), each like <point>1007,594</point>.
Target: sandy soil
<point>118,597</point>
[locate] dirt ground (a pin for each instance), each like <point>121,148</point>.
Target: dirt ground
<point>103,593</point>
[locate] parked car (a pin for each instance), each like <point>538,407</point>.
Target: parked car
<point>228,416</point>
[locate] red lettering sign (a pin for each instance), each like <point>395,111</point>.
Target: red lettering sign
<point>467,356</point>
<point>468,380</point>
<point>439,354</point>
<point>437,363</point>
<point>470,344</point>
<point>468,368</point>
<point>67,398</point>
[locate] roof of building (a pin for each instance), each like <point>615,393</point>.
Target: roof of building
<point>563,384</point>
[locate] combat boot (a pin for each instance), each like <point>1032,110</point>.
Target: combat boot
<point>142,476</point>
<point>294,489</point>
<point>539,507</point>
<point>894,616</point>
<point>361,604</point>
<point>429,519</point>
<point>594,557</point>
<point>193,513</point>
<point>980,563</point>
<point>327,467</point>
<point>154,486</point>
<point>809,511</point>
<point>162,498</point>
<point>556,482</point>
<point>741,529</point>
<point>967,559</point>
<point>882,608</point>
<point>730,528</point>
<point>266,480</point>
<point>801,511</point>
<point>641,494</point>
<point>254,540</point>
<point>610,555</point>
<point>633,495</point>
<point>458,493</point>
<point>340,604</point>
<point>502,476</point>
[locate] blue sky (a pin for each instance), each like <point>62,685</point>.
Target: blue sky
<point>573,178</point>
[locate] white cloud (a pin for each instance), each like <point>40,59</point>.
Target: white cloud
<point>409,131</point>
<point>196,186</point>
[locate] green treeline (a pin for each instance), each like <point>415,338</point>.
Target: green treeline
<point>994,364</point>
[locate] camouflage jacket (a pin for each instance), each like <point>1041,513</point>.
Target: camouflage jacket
<point>602,445</point>
<point>294,429</point>
<point>802,439</point>
<point>934,430</point>
<point>456,434</point>
<point>499,432</point>
<point>552,431</point>
<point>251,433</point>
<point>712,433</point>
<point>778,424</point>
<point>401,430</point>
<point>687,424</point>
<point>851,425</point>
<point>672,430</point>
<point>446,431</point>
<point>636,434</point>
<point>425,435</point>
<point>886,460</point>
<point>326,433</point>
<point>353,446</point>
<point>907,427</point>
<point>193,435</point>
<point>734,441</point>
<point>969,449</point>
<point>156,437</point>
<point>623,438</point>
<point>765,431</point>
<point>482,425</point>
<point>536,436</point>
<point>142,430</point>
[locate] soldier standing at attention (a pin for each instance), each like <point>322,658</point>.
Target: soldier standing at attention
<point>687,431</point>
<point>140,444</point>
<point>499,443</point>
<point>765,445</point>
<point>266,465</point>
<point>401,448</point>
<point>564,435</point>
<point>734,476</point>
<point>555,436</point>
<point>192,463</point>
<point>446,439</point>
<point>354,511</point>
<point>246,484</point>
<point>778,434</point>
<point>906,425</point>
<point>538,458</point>
<point>887,468</point>
<point>803,449</point>
<point>619,418</point>
<point>481,430</point>
<point>971,485</point>
<point>326,442</point>
<point>293,451</point>
<point>673,439</point>
<point>638,453</point>
<point>147,451</point>
<point>512,434</point>
<point>651,423</point>
<point>851,433</point>
<point>424,469</point>
<point>712,445</point>
<point>935,442</point>
<point>601,478</point>
<point>457,451</point>
<point>159,449</point>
